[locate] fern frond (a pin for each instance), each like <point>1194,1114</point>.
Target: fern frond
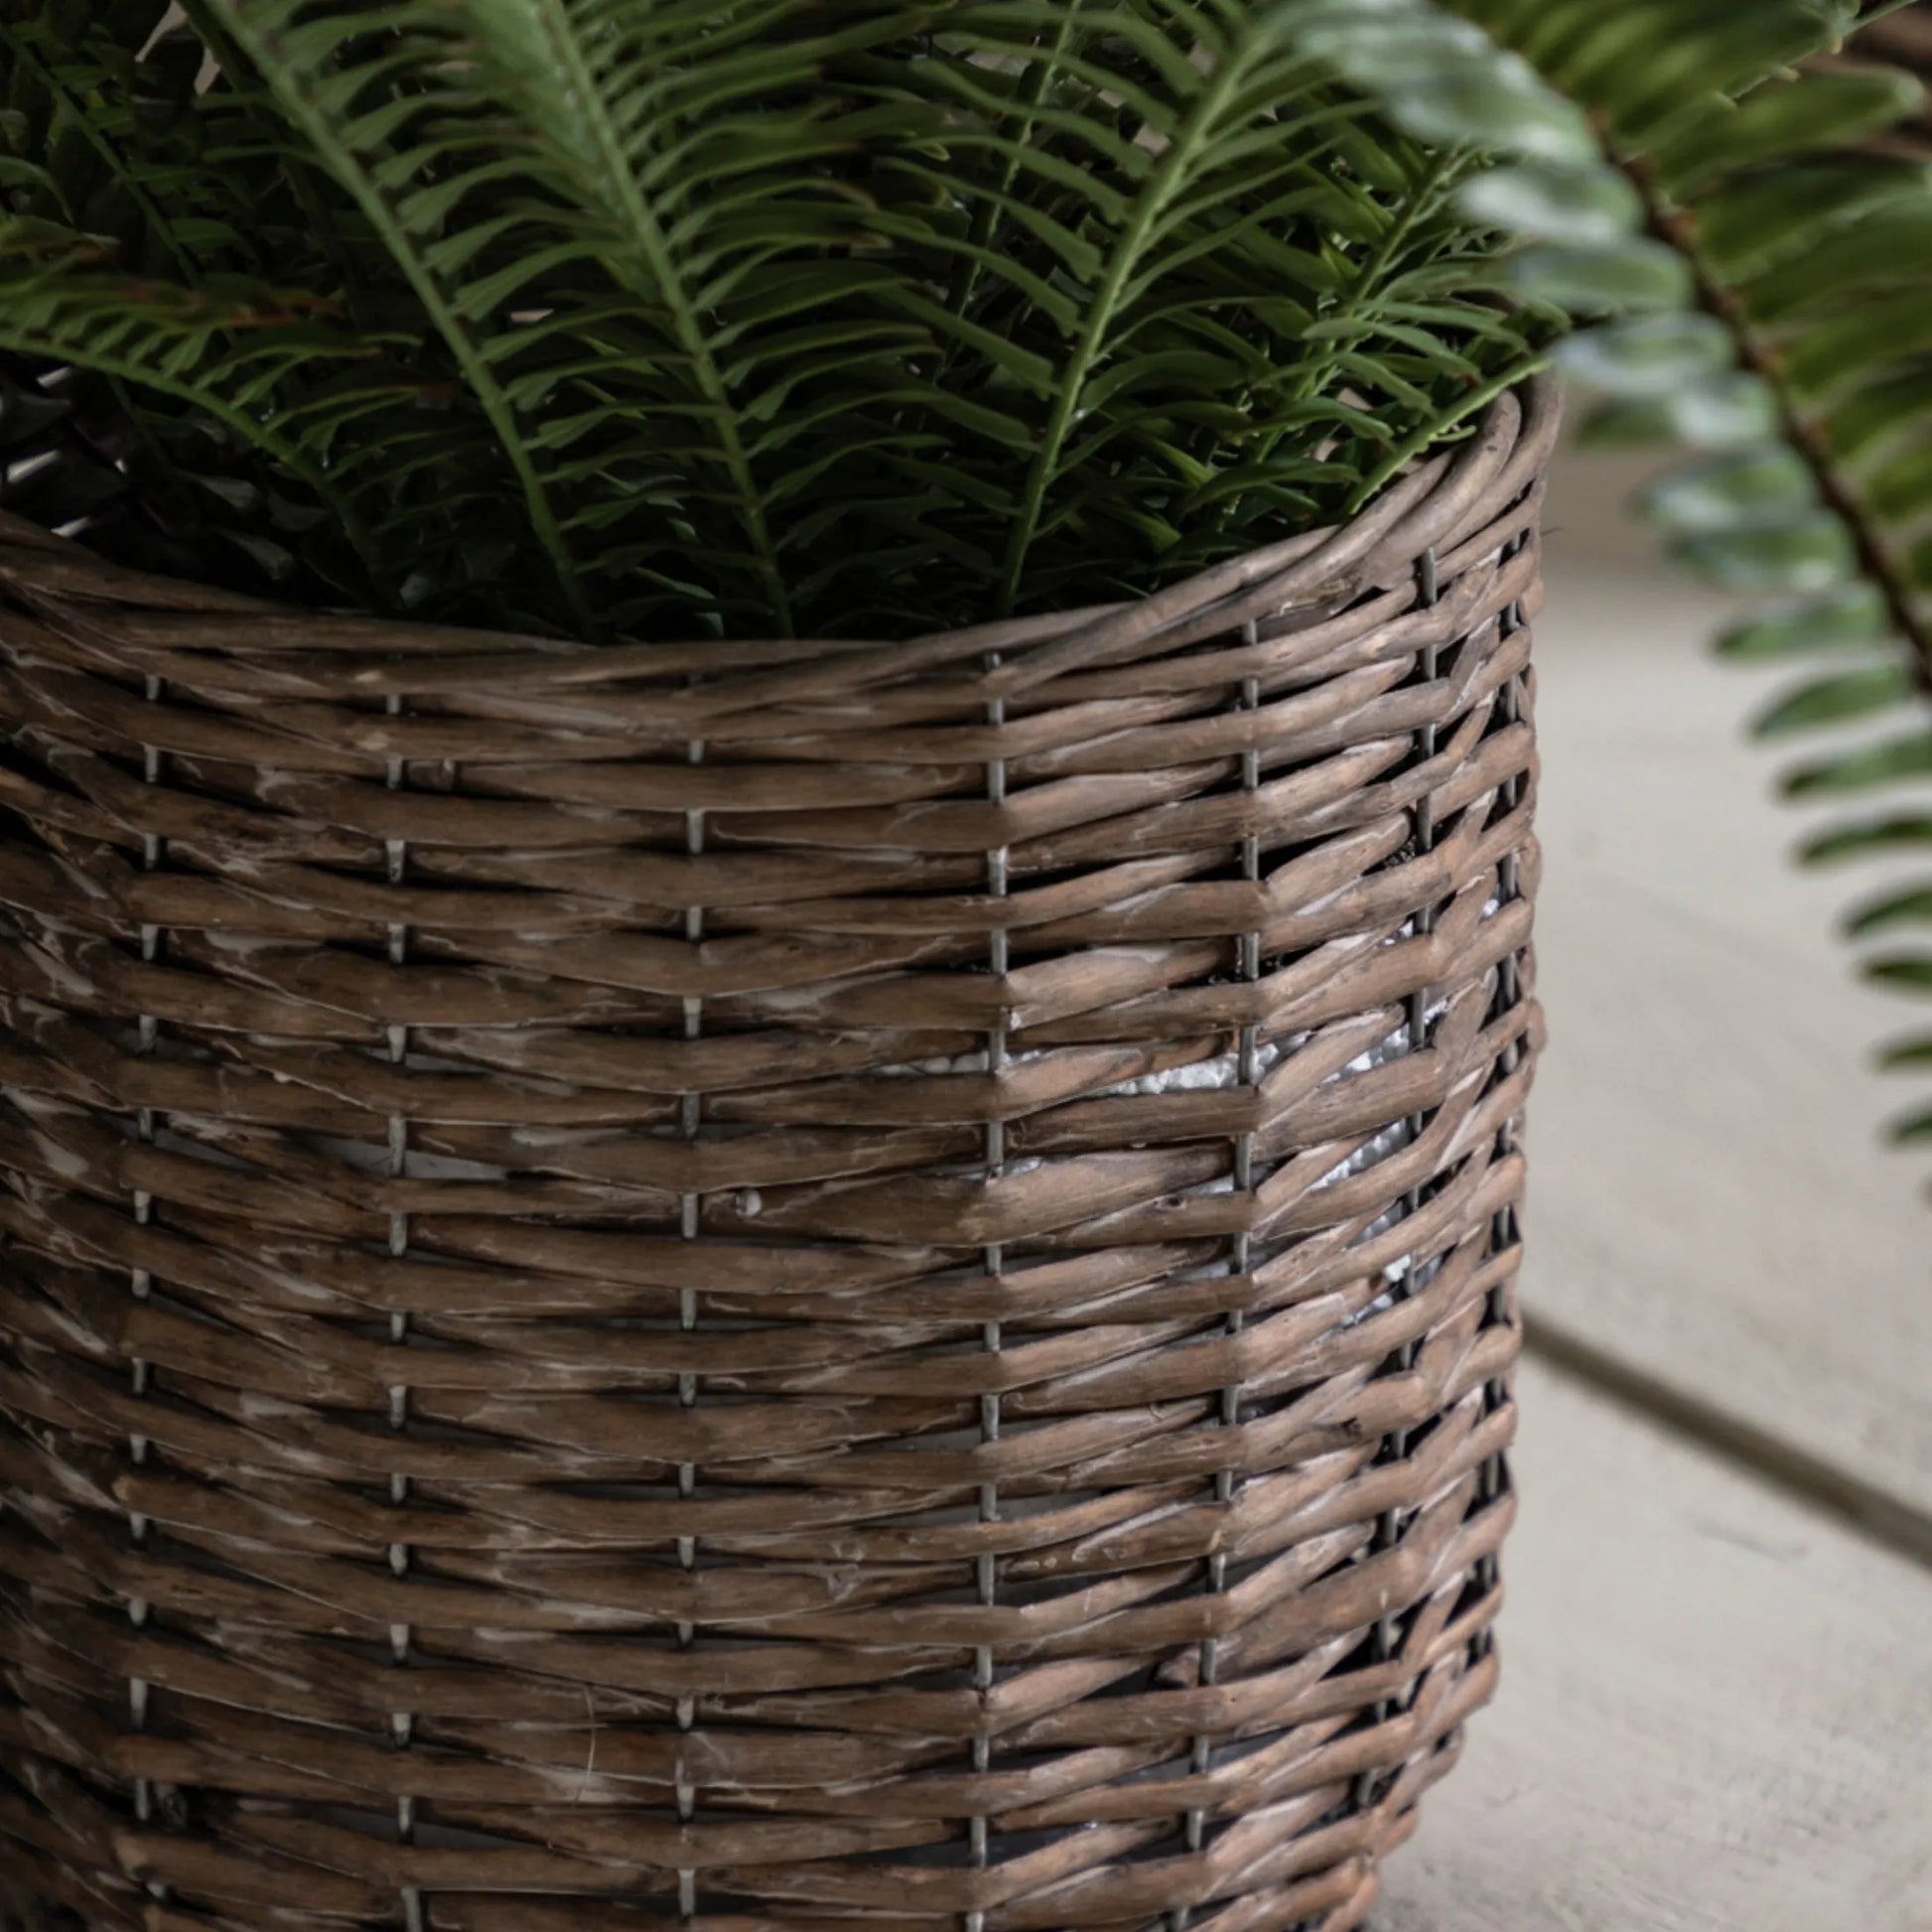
<point>1181,236</point>
<point>57,118</point>
<point>657,269</point>
<point>850,317</point>
<point>711,162</point>
<point>226,349</point>
<point>1208,133</point>
<point>1802,369</point>
<point>164,185</point>
<point>378,94</point>
<point>555,59</point>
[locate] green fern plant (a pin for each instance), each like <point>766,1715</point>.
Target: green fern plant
<point>631,317</point>
<point>762,317</point>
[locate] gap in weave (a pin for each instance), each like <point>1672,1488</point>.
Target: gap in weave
<point>20,753</point>
<point>45,1919</point>
<point>428,1830</point>
<point>956,1853</point>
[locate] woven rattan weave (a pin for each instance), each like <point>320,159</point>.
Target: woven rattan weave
<point>764,1286</point>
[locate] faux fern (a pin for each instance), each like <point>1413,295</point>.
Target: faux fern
<point>768,316</point>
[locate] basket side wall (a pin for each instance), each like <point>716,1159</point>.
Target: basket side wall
<point>768,1290</point>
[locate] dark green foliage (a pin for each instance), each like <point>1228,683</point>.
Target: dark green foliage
<point>179,494</point>
<point>627,316</point>
<point>172,242</point>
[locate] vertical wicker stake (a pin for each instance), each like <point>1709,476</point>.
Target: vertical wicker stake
<point>986,1569</point>
<point>1387,1637</point>
<point>1227,1484</point>
<point>402,1724</point>
<point>141,1281</point>
<point>690,1221</point>
<point>1206,1582</point>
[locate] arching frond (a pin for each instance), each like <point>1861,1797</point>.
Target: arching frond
<point>1173,272</point>
<point>1750,240</point>
<point>662,264</point>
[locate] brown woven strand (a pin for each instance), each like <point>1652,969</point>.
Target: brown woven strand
<point>765,1285</point>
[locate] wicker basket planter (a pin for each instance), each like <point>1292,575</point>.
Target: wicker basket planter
<point>763,1286</point>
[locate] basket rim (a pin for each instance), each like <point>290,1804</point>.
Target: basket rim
<point>1441,500</point>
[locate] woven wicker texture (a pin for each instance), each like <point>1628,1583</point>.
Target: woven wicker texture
<point>764,1286</point>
